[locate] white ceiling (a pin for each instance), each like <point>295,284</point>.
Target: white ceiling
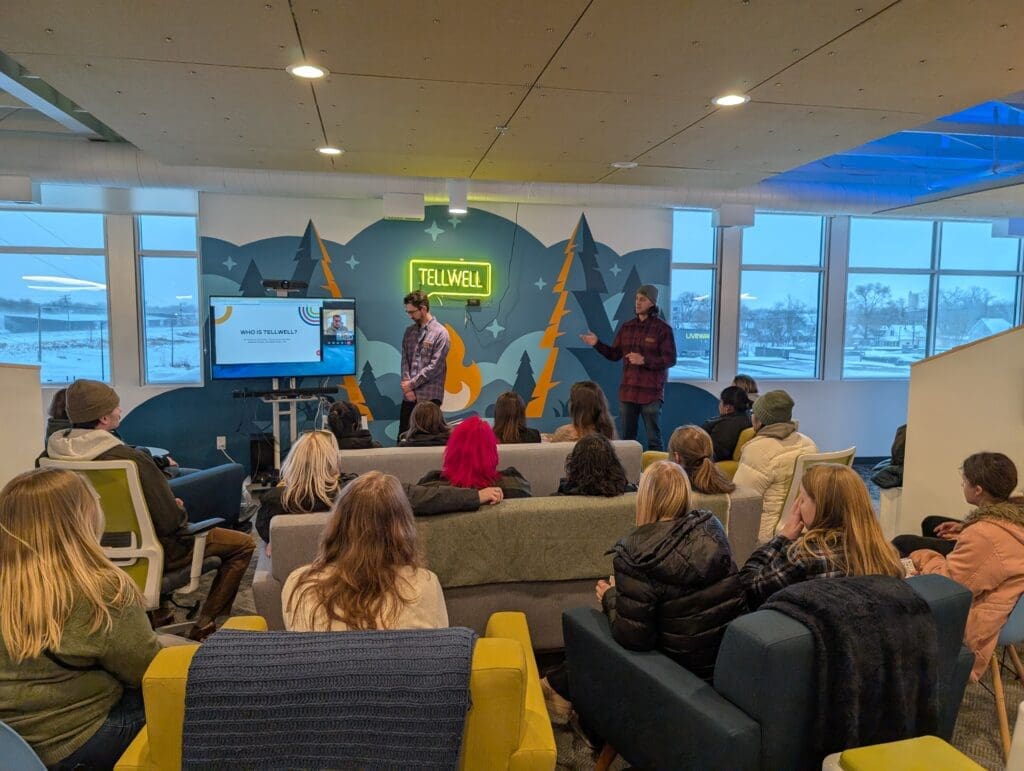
<point>418,87</point>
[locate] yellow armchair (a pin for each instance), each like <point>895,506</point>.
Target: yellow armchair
<point>507,726</point>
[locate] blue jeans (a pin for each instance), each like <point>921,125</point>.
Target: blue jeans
<point>631,412</point>
<point>107,745</point>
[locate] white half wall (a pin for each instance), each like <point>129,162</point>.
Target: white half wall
<point>23,434</point>
<point>967,400</point>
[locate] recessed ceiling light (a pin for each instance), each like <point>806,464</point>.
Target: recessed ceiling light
<point>329,150</point>
<point>308,71</point>
<point>730,100</point>
<point>624,165</point>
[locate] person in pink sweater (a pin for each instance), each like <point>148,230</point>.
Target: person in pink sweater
<point>989,554</point>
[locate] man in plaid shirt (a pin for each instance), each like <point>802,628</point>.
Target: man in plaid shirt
<point>424,351</point>
<point>648,348</point>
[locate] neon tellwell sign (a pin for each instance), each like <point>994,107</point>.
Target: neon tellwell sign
<point>450,277</point>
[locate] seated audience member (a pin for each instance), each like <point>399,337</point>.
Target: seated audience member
<point>471,460</point>
<point>733,419</point>
<point>94,409</point>
<point>345,420</point>
<point>510,421</point>
<point>830,531</point>
<point>588,408</point>
<point>690,447</point>
<point>748,384</point>
<point>427,427</point>
<point>768,460</point>
<point>594,468</point>
<point>988,551</point>
<point>57,415</point>
<point>311,477</point>
<point>889,473</point>
<point>675,582</point>
<point>76,640</point>
<point>369,572</point>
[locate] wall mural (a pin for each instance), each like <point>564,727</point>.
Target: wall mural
<point>524,335</point>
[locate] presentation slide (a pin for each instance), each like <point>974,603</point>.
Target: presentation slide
<point>265,334</point>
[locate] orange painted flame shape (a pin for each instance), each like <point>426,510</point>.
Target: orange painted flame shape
<point>463,382</point>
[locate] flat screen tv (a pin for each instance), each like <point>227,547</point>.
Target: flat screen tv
<point>265,337</point>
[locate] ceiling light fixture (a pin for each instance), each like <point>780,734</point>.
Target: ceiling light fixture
<point>458,196</point>
<point>307,71</point>
<point>624,165</point>
<point>730,100</point>
<point>328,150</point>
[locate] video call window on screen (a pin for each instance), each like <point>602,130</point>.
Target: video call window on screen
<point>260,337</point>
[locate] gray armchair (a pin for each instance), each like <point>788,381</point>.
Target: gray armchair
<point>757,714</point>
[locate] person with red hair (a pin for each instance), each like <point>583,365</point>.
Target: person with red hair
<point>471,460</point>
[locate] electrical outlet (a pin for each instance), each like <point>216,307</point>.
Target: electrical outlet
<point>222,442</point>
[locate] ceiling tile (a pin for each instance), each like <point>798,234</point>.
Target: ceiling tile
<point>540,171</point>
<point>698,179</point>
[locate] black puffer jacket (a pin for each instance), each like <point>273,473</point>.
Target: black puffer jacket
<point>676,589</point>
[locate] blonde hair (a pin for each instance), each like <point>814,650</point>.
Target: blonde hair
<point>310,472</point>
<point>51,561</point>
<point>843,515</point>
<point>370,537</point>
<point>694,449</point>
<point>664,493</point>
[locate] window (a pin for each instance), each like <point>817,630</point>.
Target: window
<point>169,277</point>
<point>693,288</point>
<point>53,294</point>
<point>780,296</point>
<point>897,266</point>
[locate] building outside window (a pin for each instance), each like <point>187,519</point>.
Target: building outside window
<point>54,308</point>
<point>780,296</point>
<point>916,288</point>
<point>694,290</point>
<point>169,291</point>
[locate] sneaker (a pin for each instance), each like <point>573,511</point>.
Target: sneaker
<point>200,633</point>
<point>160,617</point>
<point>559,708</point>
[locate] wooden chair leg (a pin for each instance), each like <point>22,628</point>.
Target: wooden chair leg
<point>605,759</point>
<point>1004,722</point>
<point>1016,661</point>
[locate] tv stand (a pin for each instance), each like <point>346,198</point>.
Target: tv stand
<point>279,397</point>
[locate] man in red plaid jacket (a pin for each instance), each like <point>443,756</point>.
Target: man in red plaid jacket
<point>648,348</point>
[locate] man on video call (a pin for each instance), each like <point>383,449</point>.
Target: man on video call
<point>424,350</point>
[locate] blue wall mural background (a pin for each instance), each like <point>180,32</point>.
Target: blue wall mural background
<point>525,337</point>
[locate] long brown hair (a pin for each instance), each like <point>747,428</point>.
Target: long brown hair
<point>843,514</point>
<point>664,493</point>
<point>426,418</point>
<point>509,417</point>
<point>51,561</point>
<point>370,537</point>
<point>588,408</point>
<point>691,447</point>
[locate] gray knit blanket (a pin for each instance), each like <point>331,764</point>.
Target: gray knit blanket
<point>297,700</point>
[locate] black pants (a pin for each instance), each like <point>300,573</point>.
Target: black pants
<point>403,416</point>
<point>927,540</point>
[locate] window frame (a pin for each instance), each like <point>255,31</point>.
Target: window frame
<point>715,267</point>
<point>141,254</point>
<point>822,269</point>
<point>107,357</point>
<point>934,273</point>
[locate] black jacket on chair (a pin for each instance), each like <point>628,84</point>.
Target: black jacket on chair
<point>676,589</point>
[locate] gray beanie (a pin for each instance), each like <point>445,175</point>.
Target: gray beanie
<point>650,292</point>
<point>774,407</point>
<point>89,400</point>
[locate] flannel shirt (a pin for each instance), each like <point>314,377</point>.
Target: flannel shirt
<point>424,350</point>
<point>770,569</point>
<point>654,340</point>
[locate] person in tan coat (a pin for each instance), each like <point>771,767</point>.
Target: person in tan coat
<point>989,554</point>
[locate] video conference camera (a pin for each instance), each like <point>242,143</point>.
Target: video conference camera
<point>284,284</point>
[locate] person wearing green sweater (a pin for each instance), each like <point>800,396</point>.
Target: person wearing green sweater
<point>75,637</point>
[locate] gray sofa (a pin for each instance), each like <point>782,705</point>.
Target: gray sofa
<point>542,464</point>
<point>538,555</point>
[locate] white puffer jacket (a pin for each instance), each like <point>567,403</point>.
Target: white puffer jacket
<point>766,465</point>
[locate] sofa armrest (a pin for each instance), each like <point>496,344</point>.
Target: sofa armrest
<point>616,691</point>
<point>136,757</point>
<point>163,690</point>
<point>246,624</point>
<point>744,522</point>
<point>212,492</point>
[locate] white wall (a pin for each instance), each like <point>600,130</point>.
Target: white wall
<point>967,400</point>
<point>19,384</point>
